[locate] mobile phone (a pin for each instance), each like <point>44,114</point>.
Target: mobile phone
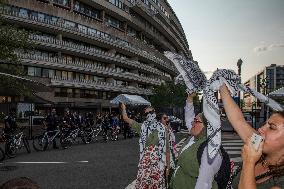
<point>256,140</point>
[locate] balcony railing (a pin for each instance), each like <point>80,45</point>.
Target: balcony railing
<point>87,67</point>
<point>96,52</point>
<point>98,36</point>
<point>145,9</point>
<point>99,85</point>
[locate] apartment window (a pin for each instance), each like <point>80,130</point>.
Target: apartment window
<point>69,24</point>
<point>58,73</point>
<point>70,75</point>
<point>37,72</point>
<point>31,71</point>
<point>65,3</point>
<point>51,73</point>
<point>114,22</point>
<point>45,72</point>
<point>87,10</point>
<point>23,13</point>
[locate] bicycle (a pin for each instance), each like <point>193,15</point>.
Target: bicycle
<point>69,137</point>
<point>92,133</point>
<point>41,142</point>
<point>15,142</point>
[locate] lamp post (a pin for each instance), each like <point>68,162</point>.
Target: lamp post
<point>239,64</point>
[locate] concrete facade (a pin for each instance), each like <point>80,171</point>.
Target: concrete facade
<point>89,51</point>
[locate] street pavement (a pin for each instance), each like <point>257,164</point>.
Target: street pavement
<point>111,165</point>
<point>99,165</point>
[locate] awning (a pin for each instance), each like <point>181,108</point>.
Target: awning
<point>130,99</point>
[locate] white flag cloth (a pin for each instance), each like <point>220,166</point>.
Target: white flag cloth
<point>190,73</point>
<point>130,99</point>
<point>211,109</point>
<point>262,98</point>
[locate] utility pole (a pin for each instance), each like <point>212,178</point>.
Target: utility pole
<point>239,64</point>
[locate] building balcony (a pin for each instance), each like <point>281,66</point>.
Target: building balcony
<point>93,34</point>
<point>91,52</point>
<point>151,16</point>
<point>98,85</point>
<point>56,62</point>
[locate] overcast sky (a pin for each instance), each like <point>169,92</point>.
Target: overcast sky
<point>219,32</point>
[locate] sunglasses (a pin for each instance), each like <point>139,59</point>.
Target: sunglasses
<point>197,121</point>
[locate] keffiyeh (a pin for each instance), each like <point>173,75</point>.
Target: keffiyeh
<point>211,108</point>
<point>190,73</point>
<point>149,126</point>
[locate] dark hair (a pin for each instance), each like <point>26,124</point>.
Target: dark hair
<point>281,113</point>
<point>160,115</point>
<point>20,183</point>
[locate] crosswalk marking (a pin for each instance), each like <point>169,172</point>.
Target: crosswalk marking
<point>232,146</point>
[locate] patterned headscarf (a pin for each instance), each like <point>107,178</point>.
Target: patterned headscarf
<point>211,108</point>
<point>190,73</point>
<point>149,126</point>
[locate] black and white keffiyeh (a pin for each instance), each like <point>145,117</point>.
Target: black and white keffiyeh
<point>148,127</point>
<point>211,108</point>
<point>190,73</point>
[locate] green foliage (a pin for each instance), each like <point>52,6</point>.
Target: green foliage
<point>169,95</point>
<point>12,39</point>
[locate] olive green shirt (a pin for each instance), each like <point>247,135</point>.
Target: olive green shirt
<point>188,167</point>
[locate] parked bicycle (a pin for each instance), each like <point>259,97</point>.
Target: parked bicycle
<point>92,133</point>
<point>41,142</point>
<point>14,143</point>
<point>69,137</point>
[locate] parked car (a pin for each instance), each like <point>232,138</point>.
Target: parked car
<point>175,123</point>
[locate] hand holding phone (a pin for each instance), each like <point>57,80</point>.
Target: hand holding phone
<point>256,140</point>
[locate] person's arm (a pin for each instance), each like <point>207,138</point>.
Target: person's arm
<point>235,115</point>
<point>250,156</point>
<point>189,111</point>
<point>124,115</point>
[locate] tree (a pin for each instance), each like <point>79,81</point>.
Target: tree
<point>169,95</point>
<point>12,39</point>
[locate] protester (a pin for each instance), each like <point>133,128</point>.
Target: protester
<point>154,144</point>
<point>265,167</point>
<point>193,169</point>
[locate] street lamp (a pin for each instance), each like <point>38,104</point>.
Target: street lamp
<point>239,64</point>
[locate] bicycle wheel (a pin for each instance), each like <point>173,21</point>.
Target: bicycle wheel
<point>11,149</point>
<point>27,145</point>
<point>2,155</point>
<point>84,137</point>
<point>40,143</point>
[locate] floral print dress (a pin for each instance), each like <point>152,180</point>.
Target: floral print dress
<point>153,146</point>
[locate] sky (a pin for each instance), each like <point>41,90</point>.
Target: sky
<point>219,32</point>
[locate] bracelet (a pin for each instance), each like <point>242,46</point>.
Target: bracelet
<point>123,112</point>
